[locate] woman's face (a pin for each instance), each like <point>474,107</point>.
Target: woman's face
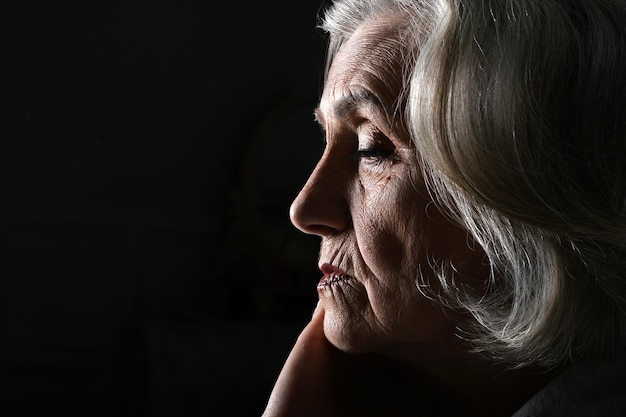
<point>380,230</point>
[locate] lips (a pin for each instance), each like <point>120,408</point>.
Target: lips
<point>332,275</point>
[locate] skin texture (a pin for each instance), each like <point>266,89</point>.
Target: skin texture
<point>320,380</point>
<point>305,374</point>
<point>368,203</point>
<point>375,344</point>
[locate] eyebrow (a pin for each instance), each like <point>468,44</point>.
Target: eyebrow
<point>347,104</point>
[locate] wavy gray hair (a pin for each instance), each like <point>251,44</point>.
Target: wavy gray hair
<point>517,109</point>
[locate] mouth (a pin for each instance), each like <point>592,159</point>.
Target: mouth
<point>332,276</point>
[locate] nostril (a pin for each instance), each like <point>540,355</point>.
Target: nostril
<point>320,230</point>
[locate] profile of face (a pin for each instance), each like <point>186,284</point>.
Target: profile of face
<point>380,229</point>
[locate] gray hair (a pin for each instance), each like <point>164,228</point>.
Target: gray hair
<point>517,109</point>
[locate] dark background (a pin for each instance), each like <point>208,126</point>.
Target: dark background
<point>149,151</point>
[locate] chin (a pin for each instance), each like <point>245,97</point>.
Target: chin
<point>355,338</point>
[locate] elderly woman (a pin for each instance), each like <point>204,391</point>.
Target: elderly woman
<point>471,204</point>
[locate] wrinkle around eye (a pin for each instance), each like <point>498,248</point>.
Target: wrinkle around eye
<point>373,166</point>
<point>378,154</point>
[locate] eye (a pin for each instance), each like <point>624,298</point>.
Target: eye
<point>373,146</point>
<point>374,153</point>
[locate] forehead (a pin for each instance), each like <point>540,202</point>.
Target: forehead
<point>369,62</point>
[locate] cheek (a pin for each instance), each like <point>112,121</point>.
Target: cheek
<point>389,252</point>
<point>393,246</point>
<point>391,224</point>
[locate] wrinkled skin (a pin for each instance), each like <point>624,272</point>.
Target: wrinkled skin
<point>320,380</point>
<point>376,345</point>
<point>368,203</point>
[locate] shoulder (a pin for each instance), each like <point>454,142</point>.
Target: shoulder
<point>583,390</point>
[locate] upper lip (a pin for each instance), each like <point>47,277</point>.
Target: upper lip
<point>329,269</point>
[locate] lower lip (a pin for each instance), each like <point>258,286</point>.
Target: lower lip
<point>331,279</point>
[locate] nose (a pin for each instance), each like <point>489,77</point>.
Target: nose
<point>322,206</point>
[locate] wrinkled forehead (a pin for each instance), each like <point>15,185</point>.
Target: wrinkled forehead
<point>371,59</point>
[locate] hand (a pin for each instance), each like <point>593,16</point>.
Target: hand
<point>302,388</point>
<point>320,380</point>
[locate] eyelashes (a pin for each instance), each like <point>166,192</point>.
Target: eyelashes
<point>373,146</point>
<point>378,154</point>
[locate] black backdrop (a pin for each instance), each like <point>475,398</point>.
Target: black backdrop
<point>148,154</point>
